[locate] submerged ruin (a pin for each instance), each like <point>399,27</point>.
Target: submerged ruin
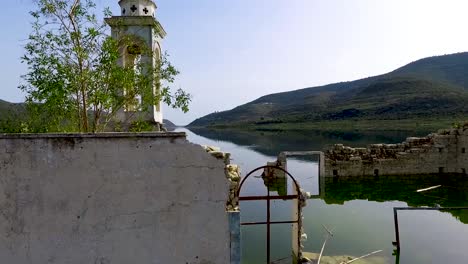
<point>437,153</point>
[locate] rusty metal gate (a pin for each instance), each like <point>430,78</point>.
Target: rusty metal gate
<point>269,174</point>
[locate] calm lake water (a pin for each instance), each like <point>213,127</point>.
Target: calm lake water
<point>358,211</point>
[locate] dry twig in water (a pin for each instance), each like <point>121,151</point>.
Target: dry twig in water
<point>361,257</point>
<point>430,188</point>
<point>329,234</point>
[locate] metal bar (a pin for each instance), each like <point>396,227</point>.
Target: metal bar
<point>268,224</point>
<point>395,216</point>
<point>255,198</point>
<point>264,167</point>
<point>264,223</point>
<point>431,208</point>
<point>397,230</point>
<point>301,153</point>
<point>299,224</point>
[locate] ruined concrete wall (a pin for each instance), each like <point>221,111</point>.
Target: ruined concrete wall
<point>110,199</point>
<point>442,152</point>
<point>462,153</point>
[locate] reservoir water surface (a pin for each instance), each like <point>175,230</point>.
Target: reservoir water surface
<point>359,211</point>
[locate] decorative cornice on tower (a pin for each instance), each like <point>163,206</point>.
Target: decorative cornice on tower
<point>119,21</point>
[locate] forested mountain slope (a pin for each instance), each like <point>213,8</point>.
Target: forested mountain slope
<point>430,87</point>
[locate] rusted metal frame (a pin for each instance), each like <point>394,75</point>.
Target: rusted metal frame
<point>268,224</point>
<point>274,222</point>
<point>395,218</point>
<point>255,198</point>
<point>397,230</point>
<point>268,198</point>
<point>264,167</point>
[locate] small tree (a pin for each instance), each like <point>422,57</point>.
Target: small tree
<point>73,79</point>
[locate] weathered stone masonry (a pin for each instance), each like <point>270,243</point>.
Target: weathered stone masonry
<point>443,152</point>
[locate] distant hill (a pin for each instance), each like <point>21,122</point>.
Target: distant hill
<point>7,108</point>
<point>168,123</point>
<point>427,88</point>
<point>11,115</point>
<point>451,68</point>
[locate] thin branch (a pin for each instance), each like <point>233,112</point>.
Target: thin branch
<point>323,247</point>
<point>361,257</point>
<point>329,235</point>
<point>74,6</point>
<point>328,230</point>
<point>430,188</point>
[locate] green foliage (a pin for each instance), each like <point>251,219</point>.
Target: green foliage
<point>28,118</point>
<point>74,82</point>
<point>10,126</point>
<point>12,118</point>
<point>456,125</point>
<point>141,126</point>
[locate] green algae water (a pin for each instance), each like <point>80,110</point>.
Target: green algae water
<point>359,211</point>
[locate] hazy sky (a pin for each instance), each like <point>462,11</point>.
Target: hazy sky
<point>231,52</point>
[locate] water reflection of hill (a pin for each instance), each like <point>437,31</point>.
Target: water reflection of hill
<point>272,142</point>
<point>453,193</point>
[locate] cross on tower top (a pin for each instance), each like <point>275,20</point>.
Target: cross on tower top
<point>137,7</point>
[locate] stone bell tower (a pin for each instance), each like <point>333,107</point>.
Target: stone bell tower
<point>137,21</point>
